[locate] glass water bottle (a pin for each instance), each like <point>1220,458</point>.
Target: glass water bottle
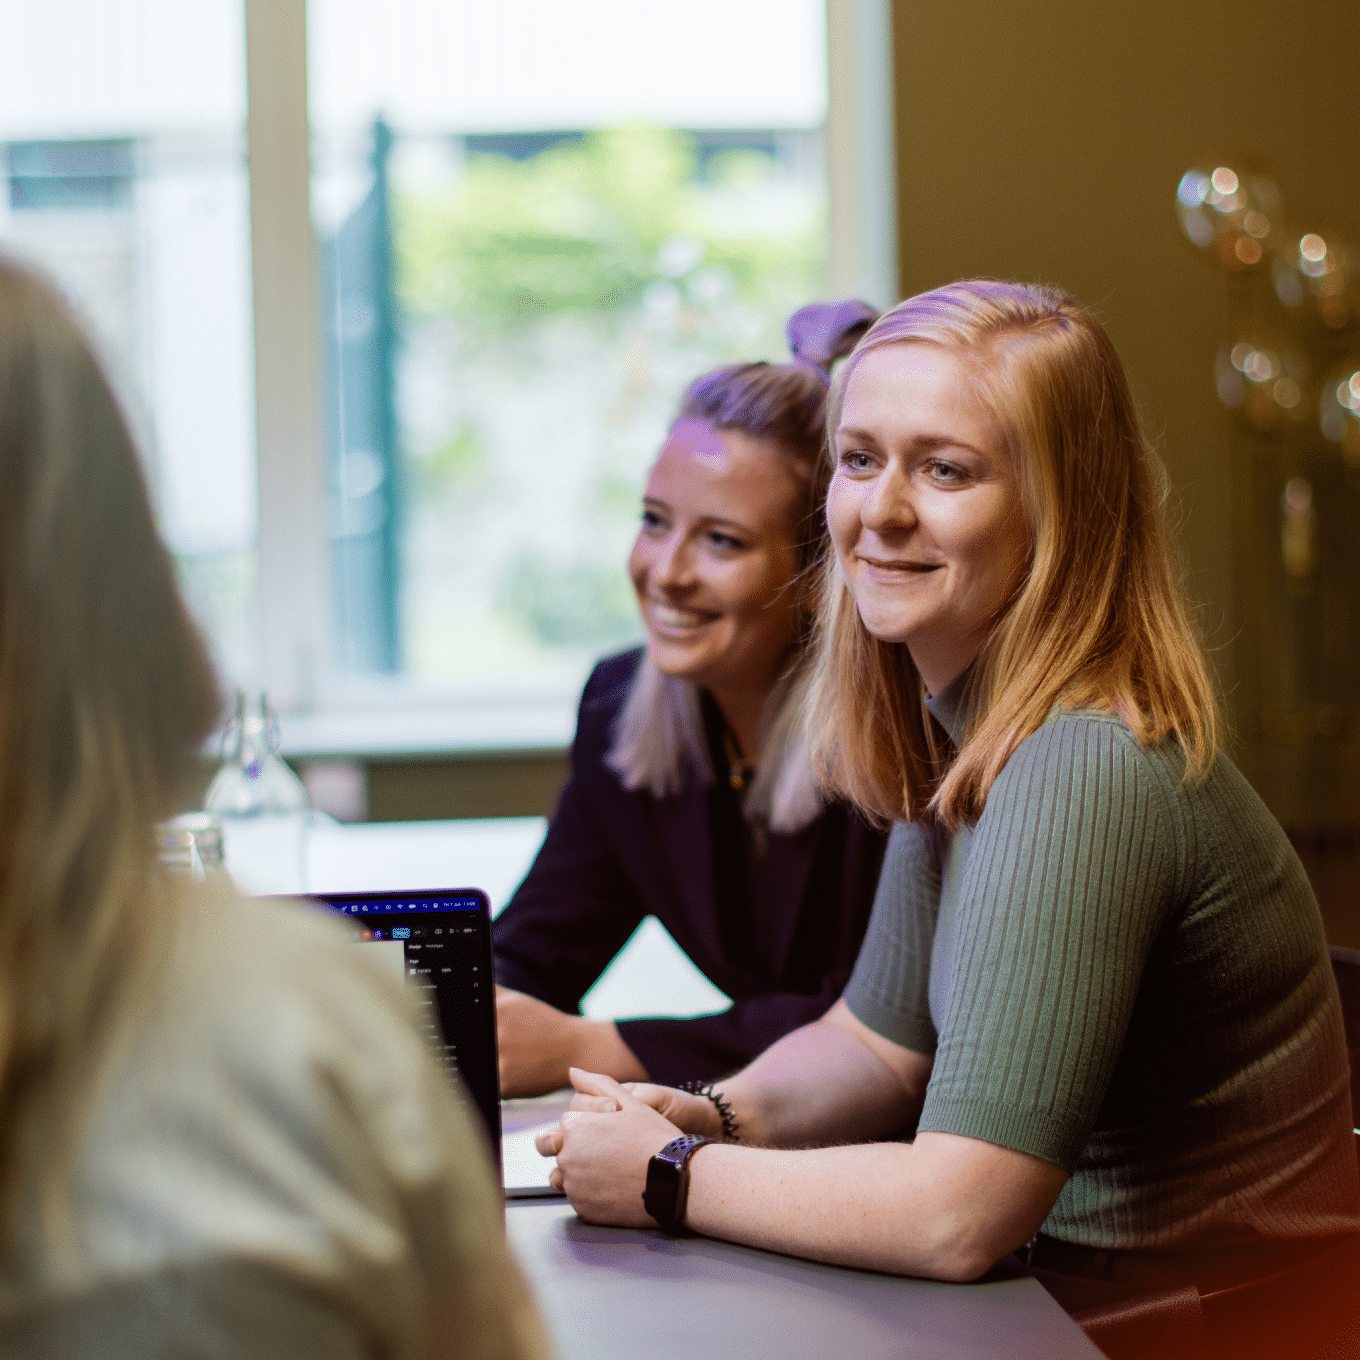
<point>262,804</point>
<point>253,780</point>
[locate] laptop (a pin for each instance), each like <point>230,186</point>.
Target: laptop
<point>440,944</point>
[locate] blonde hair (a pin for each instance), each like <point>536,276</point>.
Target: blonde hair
<point>659,741</point>
<point>105,691</point>
<point>659,738</point>
<point>1099,618</point>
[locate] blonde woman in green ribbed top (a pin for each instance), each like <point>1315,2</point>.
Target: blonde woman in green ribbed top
<point>1095,981</point>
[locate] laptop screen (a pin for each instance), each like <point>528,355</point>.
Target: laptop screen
<point>440,943</point>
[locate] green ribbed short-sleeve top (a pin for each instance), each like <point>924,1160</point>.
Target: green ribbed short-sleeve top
<point>1124,973</point>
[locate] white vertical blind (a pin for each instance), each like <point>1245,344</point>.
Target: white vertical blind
<point>69,68</point>
<point>545,64</point>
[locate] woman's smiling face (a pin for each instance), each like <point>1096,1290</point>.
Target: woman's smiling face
<point>715,558</point>
<point>924,509</point>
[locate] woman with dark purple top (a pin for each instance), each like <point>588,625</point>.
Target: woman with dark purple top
<point>690,795</point>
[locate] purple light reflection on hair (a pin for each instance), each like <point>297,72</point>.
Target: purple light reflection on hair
<point>785,403</point>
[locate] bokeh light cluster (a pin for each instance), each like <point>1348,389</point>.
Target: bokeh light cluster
<point>1283,368</point>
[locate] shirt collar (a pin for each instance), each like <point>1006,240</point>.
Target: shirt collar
<point>952,707</point>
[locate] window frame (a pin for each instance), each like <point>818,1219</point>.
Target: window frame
<point>294,581</point>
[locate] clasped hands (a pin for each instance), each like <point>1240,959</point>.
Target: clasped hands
<point>605,1140</point>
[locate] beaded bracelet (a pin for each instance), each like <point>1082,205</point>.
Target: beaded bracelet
<point>731,1130</point>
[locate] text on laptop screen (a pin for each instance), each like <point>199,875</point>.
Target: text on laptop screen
<point>439,943</point>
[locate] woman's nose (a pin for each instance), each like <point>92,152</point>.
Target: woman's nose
<point>671,568</point>
<point>888,507</point>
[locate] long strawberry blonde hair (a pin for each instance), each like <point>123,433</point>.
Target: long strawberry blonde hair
<point>1099,618</point>
<point>105,691</point>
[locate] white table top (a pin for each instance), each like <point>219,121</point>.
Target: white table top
<point>523,1171</point>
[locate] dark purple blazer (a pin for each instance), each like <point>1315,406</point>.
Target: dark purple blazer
<point>782,950</point>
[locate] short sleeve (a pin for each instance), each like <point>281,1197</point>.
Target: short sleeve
<point>1070,874</point>
<point>889,989</point>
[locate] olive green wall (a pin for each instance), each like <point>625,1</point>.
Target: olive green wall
<point>1044,141</point>
<point>470,786</point>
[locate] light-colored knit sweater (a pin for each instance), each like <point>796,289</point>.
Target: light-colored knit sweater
<point>1123,973</point>
<point>278,1168</point>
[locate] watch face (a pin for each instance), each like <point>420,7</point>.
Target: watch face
<point>662,1194</point>
<point>668,1181</point>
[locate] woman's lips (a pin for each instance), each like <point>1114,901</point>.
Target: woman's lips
<point>671,619</point>
<point>895,569</point>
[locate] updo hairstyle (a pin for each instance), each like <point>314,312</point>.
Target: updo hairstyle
<point>660,738</point>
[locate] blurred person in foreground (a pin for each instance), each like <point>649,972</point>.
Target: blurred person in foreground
<point>690,795</point>
<point>1095,984</point>
<point>221,1133</point>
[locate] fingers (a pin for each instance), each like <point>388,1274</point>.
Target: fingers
<point>549,1142</point>
<point>602,1158</point>
<point>596,1084</point>
<point>594,1104</point>
<point>574,1116</point>
<point>664,1099</point>
<point>658,1097</point>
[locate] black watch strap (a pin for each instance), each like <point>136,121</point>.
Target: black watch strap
<point>668,1181</point>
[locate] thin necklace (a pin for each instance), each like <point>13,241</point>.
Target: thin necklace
<point>739,769</point>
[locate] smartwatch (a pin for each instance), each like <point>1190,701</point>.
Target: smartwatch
<point>668,1182</point>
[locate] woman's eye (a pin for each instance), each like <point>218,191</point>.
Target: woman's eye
<point>947,474</point>
<point>652,522</point>
<point>725,541</point>
<point>855,460</point>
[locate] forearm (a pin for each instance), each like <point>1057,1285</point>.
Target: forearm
<point>538,1045</point>
<point>819,1085</point>
<point>601,1048</point>
<point>908,1209</point>
<point>946,1206</point>
<point>676,1049</point>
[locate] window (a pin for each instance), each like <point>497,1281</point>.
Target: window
<point>409,468</point>
<point>124,177</point>
<point>538,222</point>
